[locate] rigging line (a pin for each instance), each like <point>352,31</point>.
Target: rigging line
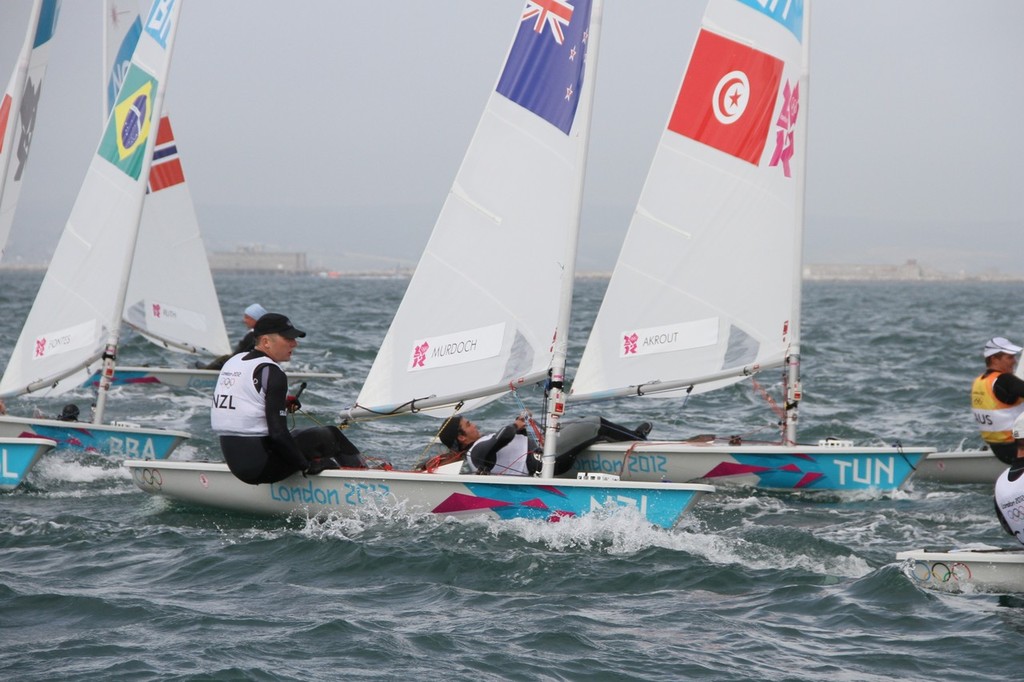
<point>537,433</point>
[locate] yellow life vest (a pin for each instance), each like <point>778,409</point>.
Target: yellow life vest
<point>993,417</point>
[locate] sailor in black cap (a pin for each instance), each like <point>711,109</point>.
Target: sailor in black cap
<point>250,409</point>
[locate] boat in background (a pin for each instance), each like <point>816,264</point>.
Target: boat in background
<point>979,568</point>
<point>18,456</point>
<point>963,466</point>
<point>706,291</point>
<point>74,325</point>
<point>463,335</point>
<point>972,465</point>
<point>19,106</point>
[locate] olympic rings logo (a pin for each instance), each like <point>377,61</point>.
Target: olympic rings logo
<point>227,382</point>
<point>941,572</point>
<point>150,477</point>
<point>1016,513</point>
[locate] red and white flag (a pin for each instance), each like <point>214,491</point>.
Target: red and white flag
<point>727,97</point>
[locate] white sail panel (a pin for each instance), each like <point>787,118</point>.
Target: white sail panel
<point>711,243</point>
<point>87,276</point>
<point>18,108</point>
<point>497,258</point>
<point>171,298</point>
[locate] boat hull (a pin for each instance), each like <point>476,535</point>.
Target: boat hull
<point>187,378</point>
<point>18,456</point>
<point>773,467</point>
<point>116,440</point>
<point>968,466</point>
<point>346,491</point>
<point>986,569</point>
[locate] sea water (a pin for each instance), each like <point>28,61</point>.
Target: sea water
<point>101,581</point>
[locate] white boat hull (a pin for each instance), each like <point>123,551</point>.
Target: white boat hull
<point>346,491</point>
<point>984,569</point>
<point>187,378</point>
<point>18,456</point>
<point>118,440</point>
<point>773,467</point>
<point>969,466</point>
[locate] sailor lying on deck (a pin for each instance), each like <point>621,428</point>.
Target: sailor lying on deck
<point>250,408</point>
<point>511,452</point>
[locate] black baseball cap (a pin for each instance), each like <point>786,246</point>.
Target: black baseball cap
<point>275,323</point>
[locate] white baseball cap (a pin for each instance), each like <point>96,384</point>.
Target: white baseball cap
<point>1000,345</point>
<point>256,311</point>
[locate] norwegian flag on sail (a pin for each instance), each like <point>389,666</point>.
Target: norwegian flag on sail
<point>544,69</point>
<point>727,97</point>
<point>166,169</point>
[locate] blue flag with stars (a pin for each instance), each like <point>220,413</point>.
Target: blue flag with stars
<point>544,70</point>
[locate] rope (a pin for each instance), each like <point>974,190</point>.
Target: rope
<point>537,432</point>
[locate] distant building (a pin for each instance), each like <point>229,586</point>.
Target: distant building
<point>255,260</point>
<point>909,271</point>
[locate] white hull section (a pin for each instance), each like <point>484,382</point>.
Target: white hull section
<point>188,378</point>
<point>981,569</point>
<point>18,456</point>
<point>969,466</point>
<point>775,467</point>
<point>121,440</point>
<point>347,491</point>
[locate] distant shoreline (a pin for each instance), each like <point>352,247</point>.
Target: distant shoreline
<point>811,273</point>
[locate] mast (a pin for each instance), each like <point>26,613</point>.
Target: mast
<point>792,378</point>
<point>556,402</point>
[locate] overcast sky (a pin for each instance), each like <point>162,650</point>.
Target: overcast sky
<point>336,127</point>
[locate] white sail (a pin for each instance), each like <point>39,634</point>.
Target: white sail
<point>171,297</point>
<point>19,106</point>
<point>707,285</point>
<point>482,310</point>
<point>76,316</point>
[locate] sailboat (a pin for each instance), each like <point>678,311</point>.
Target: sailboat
<point>976,568</point>
<point>972,465</point>
<point>19,106</point>
<point>75,322</point>
<point>18,456</point>
<point>706,289</point>
<point>171,299</point>
<point>470,327</point>
<point>17,123</point>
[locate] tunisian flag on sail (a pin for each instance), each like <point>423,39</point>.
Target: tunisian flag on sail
<point>727,97</point>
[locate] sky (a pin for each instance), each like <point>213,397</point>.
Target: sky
<point>336,127</point>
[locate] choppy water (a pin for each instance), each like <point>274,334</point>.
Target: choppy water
<point>100,581</point>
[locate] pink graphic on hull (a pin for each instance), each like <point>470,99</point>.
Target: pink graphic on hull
<point>808,479</point>
<point>457,502</point>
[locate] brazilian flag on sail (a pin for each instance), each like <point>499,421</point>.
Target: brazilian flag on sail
<point>124,142</point>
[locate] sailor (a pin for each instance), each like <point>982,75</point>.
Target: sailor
<point>250,408</point>
<point>250,317</point>
<point>997,397</point>
<point>1009,492</point>
<point>69,413</point>
<point>511,452</point>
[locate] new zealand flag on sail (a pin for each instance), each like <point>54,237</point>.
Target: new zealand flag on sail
<point>544,69</point>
